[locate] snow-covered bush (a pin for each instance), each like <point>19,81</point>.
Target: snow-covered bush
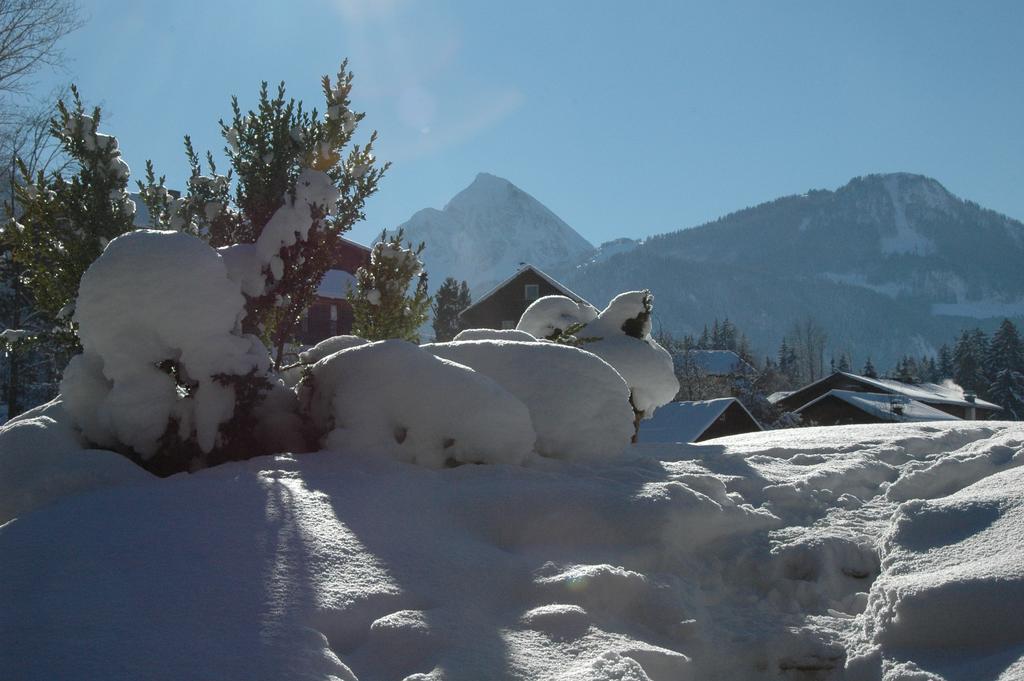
<point>579,405</point>
<point>620,335</point>
<point>495,334</point>
<point>382,399</point>
<point>552,316</point>
<point>163,365</point>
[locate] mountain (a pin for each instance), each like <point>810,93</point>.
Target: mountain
<point>487,230</point>
<point>888,264</point>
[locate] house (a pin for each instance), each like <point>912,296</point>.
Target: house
<point>843,407</point>
<point>948,399</point>
<point>330,314</point>
<point>698,421</point>
<point>503,305</point>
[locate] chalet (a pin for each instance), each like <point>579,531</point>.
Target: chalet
<point>698,421</point>
<point>843,407</point>
<point>503,305</point>
<point>330,314</point>
<point>882,400</point>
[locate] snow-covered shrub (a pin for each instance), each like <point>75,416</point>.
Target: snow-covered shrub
<point>392,398</point>
<point>620,334</point>
<point>551,316</point>
<point>495,334</point>
<point>162,362</point>
<point>579,405</point>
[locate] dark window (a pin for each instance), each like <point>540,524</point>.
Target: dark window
<point>531,291</point>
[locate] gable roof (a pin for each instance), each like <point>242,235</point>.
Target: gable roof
<point>929,393</point>
<point>546,277</point>
<point>880,405</point>
<point>686,421</point>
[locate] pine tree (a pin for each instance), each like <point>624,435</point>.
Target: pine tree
<point>66,222</point>
<point>869,369</point>
<point>968,362</point>
<point>1006,351</point>
<point>270,149</point>
<point>449,301</point>
<point>705,339</point>
<point>1008,392</point>
<point>386,302</point>
<point>844,363</point>
<point>945,368</point>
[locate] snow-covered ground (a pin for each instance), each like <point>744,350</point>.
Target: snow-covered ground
<point>861,552</point>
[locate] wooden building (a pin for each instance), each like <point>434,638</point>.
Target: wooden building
<point>844,407</point>
<point>698,421</point>
<point>502,306</point>
<point>330,314</point>
<point>948,399</point>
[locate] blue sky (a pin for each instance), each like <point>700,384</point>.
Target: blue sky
<point>626,119</point>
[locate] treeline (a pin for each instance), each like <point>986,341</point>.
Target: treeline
<point>992,368</point>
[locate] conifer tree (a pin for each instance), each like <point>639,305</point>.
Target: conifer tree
<point>449,302</point>
<point>1006,351</point>
<point>390,300</point>
<point>844,363</point>
<point>945,367</point>
<point>869,370</point>
<point>66,222</point>
<point>969,360</point>
<point>270,149</point>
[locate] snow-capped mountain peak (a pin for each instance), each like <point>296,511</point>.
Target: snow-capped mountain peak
<point>486,230</point>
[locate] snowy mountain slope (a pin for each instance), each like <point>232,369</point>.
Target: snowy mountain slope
<point>816,553</point>
<point>487,229</point>
<point>890,264</point>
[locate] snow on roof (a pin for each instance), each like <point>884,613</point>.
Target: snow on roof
<point>354,243</point>
<point>881,405</point>
<point>720,362</point>
<point>947,393</point>
<point>685,421</point>
<point>546,277</point>
<point>932,393</point>
<point>782,394</point>
<point>336,284</point>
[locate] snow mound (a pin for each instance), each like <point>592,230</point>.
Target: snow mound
<point>494,334</point>
<point>154,297</point>
<point>952,579</point>
<point>578,404</point>
<point>646,366</point>
<point>393,399</point>
<point>42,460</point>
<point>551,315</point>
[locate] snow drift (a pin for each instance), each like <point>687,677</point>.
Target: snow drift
<point>773,555</point>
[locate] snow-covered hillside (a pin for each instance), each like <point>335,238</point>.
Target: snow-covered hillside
<point>487,230</point>
<point>855,553</point>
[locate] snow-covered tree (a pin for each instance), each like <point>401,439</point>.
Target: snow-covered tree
<point>869,369</point>
<point>296,189</point>
<point>65,222</point>
<point>391,300</point>
<point>449,301</point>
